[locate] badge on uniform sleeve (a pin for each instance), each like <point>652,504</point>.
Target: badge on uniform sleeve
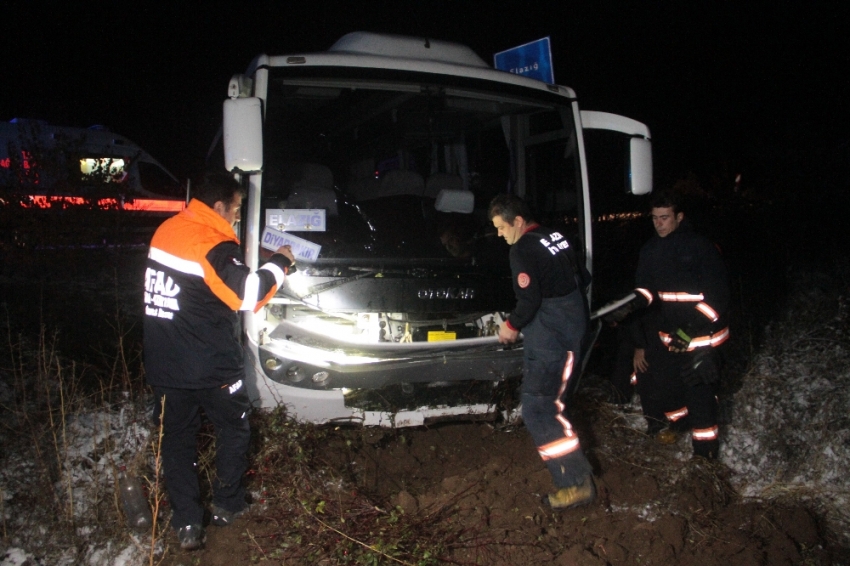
<point>523,280</point>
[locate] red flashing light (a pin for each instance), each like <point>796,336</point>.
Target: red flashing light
<point>139,205</point>
<point>155,205</point>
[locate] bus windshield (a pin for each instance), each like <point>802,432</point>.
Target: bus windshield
<point>404,169</point>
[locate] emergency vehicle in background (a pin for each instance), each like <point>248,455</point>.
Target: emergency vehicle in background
<point>54,167</point>
<point>378,159</point>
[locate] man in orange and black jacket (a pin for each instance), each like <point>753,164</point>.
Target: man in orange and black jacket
<point>195,282</point>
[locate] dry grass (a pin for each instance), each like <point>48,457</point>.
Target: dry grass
<point>65,429</point>
<point>62,442</point>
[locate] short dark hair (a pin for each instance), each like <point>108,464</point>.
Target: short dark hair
<point>666,199</point>
<point>509,207</point>
<point>215,187</point>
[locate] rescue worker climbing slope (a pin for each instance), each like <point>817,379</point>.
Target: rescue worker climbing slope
<point>195,281</point>
<point>551,312</point>
<point>682,278</point>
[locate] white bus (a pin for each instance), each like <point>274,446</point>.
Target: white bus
<point>382,155</point>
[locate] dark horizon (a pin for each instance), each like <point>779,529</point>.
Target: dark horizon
<point>727,90</point>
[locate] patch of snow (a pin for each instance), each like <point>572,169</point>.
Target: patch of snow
<point>16,557</point>
<point>789,424</point>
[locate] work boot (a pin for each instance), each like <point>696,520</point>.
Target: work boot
<point>222,517</point>
<point>191,537</point>
<point>573,496</point>
<point>653,427</point>
<point>666,436</point>
<point>707,449</point>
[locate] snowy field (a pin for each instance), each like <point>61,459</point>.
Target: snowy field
<point>788,431</point>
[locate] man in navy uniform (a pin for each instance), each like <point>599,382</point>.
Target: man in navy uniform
<point>551,312</point>
<point>682,279</point>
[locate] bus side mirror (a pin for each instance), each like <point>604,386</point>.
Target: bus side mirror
<point>243,135</point>
<point>639,170</point>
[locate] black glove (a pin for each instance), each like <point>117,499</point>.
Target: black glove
<point>701,368</point>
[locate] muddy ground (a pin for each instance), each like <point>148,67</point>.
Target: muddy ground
<point>656,505</point>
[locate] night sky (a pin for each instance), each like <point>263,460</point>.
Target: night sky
<point>725,87</point>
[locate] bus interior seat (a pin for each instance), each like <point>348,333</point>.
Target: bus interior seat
<point>311,186</point>
<point>392,183</point>
<point>401,182</point>
<point>440,181</point>
<point>363,189</point>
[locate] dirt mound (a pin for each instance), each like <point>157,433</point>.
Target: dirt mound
<point>656,505</point>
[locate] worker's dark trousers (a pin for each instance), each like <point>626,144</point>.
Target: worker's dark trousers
<point>663,395</point>
<point>621,373</point>
<point>227,408</point>
<point>552,350</point>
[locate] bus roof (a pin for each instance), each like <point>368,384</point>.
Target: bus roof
<point>395,52</point>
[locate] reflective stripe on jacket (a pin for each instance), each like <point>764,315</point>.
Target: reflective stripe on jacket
<point>684,277</point>
<point>195,281</point>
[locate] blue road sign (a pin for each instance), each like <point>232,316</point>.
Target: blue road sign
<point>533,60</point>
